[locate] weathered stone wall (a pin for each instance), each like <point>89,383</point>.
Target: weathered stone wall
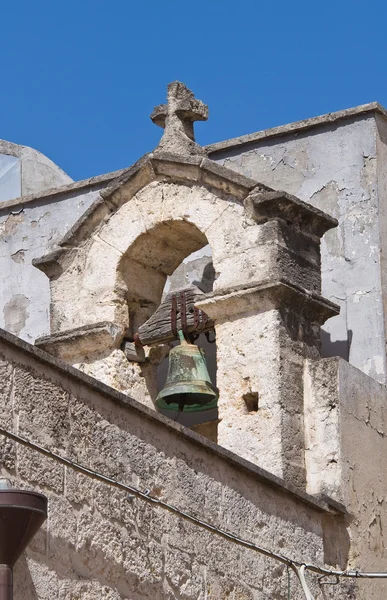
<point>346,449</point>
<point>338,168</point>
<point>109,273</point>
<point>98,543</point>
<point>29,230</point>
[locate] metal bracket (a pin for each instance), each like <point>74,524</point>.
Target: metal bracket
<point>179,307</point>
<point>174,315</point>
<point>200,319</point>
<point>183,313</point>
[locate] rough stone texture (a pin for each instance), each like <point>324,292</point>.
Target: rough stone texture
<point>81,342</point>
<point>346,445</point>
<point>33,225</point>
<point>338,168</point>
<point>144,240</point>
<point>100,543</point>
<point>114,369</point>
<point>262,340</point>
<point>177,118</point>
<point>149,236</point>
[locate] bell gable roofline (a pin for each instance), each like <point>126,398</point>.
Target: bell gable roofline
<point>163,167</point>
<point>167,167</point>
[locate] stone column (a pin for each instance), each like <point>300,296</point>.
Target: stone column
<point>264,331</point>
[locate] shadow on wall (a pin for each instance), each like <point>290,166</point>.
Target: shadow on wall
<point>196,269</point>
<point>23,584</point>
<point>331,348</point>
<point>206,283</point>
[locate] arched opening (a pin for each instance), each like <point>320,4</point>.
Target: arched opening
<point>195,270</point>
<point>169,257</point>
<point>148,262</point>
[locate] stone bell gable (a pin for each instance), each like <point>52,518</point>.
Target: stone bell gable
<point>290,499</point>
<point>108,273</point>
<point>166,207</point>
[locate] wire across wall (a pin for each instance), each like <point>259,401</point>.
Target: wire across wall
<point>298,567</point>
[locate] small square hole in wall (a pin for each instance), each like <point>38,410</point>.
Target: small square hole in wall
<point>251,401</point>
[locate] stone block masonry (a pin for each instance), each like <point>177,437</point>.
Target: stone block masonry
<point>100,543</point>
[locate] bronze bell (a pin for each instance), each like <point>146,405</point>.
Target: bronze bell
<point>188,386</point>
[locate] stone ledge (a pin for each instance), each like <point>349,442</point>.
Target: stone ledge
<point>213,171</point>
<point>265,205</point>
<point>34,353</point>
<point>128,174</point>
<point>296,127</point>
<point>172,166</point>
<point>70,343</point>
<point>269,295</point>
<point>96,213</point>
<point>50,263</point>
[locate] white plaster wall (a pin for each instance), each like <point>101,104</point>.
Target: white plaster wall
<point>335,169</point>
<point>28,232</point>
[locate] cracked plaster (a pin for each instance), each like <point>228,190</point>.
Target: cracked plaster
<point>336,170</point>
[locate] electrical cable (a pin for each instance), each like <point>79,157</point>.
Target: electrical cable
<point>288,577</point>
<point>301,576</point>
<point>298,567</point>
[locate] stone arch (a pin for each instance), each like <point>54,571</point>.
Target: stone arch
<point>176,219</point>
<point>153,256</point>
<point>119,254</point>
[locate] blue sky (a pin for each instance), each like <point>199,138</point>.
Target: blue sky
<point>80,78</point>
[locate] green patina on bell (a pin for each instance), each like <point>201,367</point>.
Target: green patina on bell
<point>188,386</point>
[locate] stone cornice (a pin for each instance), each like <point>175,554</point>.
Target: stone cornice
<point>70,343</point>
<point>61,193</point>
<point>269,295</point>
<point>188,170</point>
<point>297,127</point>
<point>265,205</point>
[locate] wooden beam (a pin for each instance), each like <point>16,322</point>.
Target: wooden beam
<point>158,328</point>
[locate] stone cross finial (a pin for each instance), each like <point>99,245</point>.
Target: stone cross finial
<point>177,118</point>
